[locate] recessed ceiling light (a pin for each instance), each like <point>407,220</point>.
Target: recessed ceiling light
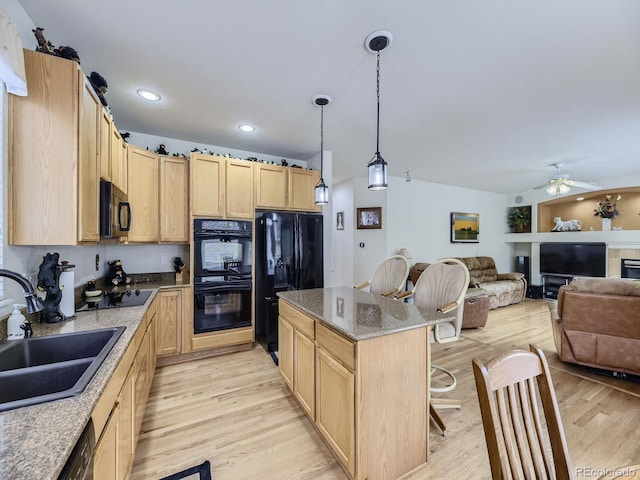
<point>579,199</point>
<point>149,95</point>
<point>245,127</point>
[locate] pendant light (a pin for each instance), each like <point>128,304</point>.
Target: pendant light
<point>321,190</point>
<point>377,167</point>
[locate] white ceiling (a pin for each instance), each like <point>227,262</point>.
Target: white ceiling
<point>481,94</point>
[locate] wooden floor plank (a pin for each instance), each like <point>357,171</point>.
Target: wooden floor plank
<point>235,411</point>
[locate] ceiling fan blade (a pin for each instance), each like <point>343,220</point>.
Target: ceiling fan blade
<point>539,187</point>
<point>585,185</point>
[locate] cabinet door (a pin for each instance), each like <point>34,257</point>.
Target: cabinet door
<point>207,185</point>
<point>301,189</point>
<point>335,399</point>
<point>285,351</point>
<point>105,456</point>
<point>271,186</point>
<point>174,199</point>
<point>43,152</point>
<point>169,322</point>
<point>104,144</point>
<point>118,159</point>
<point>304,372</point>
<point>142,371</point>
<point>239,189</point>
<point>143,195</point>
<point>88,169</point>
<point>126,447</point>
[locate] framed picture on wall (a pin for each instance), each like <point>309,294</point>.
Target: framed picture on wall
<point>465,227</point>
<point>369,217</point>
<point>340,221</point>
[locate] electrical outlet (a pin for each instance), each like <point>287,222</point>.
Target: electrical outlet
<point>165,259</point>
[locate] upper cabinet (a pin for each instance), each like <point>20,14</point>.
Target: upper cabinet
<point>144,195</point>
<point>285,188</point>
<point>221,187</point>
<point>174,199</point>
<point>53,156</point>
<point>118,155</point>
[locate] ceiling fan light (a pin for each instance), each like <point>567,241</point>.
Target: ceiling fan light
<point>552,190</point>
<point>564,189</point>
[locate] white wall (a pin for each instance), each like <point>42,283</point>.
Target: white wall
<point>416,215</point>
<point>343,240</point>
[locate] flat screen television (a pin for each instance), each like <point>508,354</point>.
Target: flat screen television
<point>577,259</point>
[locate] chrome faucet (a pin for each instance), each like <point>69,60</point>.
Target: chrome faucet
<point>34,303</point>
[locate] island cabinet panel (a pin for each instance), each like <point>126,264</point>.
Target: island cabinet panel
<point>143,174</point>
<point>335,411</point>
<point>371,396</point>
<point>53,156</point>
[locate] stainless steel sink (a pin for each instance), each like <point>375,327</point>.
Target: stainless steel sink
<point>41,369</point>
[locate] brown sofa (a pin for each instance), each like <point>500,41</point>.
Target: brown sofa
<point>596,322</point>
<point>502,288</point>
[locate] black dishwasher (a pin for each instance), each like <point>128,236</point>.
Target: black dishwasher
<point>79,466</point>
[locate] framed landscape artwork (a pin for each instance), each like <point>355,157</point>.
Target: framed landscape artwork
<point>465,227</point>
<point>369,217</point>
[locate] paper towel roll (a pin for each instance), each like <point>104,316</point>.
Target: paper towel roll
<point>67,304</point>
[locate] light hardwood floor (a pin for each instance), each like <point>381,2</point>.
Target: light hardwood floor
<point>234,411</point>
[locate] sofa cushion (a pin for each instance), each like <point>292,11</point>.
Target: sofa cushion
<point>481,269</point>
<point>503,292</point>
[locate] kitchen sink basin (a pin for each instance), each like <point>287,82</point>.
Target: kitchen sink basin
<point>40,369</point>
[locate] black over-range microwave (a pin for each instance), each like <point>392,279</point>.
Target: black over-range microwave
<point>115,211</point>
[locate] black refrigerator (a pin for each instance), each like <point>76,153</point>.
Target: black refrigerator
<point>288,256</point>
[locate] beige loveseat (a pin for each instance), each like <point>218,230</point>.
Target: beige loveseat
<point>596,322</point>
<point>502,288</point>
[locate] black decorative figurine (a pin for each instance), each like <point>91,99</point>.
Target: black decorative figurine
<point>48,281</point>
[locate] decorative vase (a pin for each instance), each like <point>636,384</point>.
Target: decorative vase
<point>606,224</point>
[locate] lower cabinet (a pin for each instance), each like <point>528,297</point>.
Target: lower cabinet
<point>169,321</point>
<point>369,399</point>
<point>118,416</point>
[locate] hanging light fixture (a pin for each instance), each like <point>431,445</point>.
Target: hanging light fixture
<point>321,190</point>
<point>377,167</point>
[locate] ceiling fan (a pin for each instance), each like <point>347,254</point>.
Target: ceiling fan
<point>561,184</point>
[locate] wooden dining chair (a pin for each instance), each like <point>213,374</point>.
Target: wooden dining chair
<point>511,388</point>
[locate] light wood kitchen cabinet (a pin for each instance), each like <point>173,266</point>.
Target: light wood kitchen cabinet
<point>207,185</point>
<point>174,199</point>
<point>105,456</point>
<point>271,185</point>
<point>335,415</point>
<point>301,189</point>
<point>104,144</point>
<point>53,156</point>
<point>144,194</point>
<point>117,418</point>
<point>221,187</point>
<point>297,355</point>
<point>239,189</point>
<point>169,321</point>
<point>285,188</point>
<point>366,401</point>
<point>118,152</point>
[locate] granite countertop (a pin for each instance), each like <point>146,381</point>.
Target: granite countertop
<point>360,315</point>
<point>36,441</point>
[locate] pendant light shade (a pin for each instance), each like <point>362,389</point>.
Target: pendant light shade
<point>321,191</point>
<point>377,167</point>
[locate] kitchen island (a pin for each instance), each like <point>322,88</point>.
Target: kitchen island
<point>358,365</point>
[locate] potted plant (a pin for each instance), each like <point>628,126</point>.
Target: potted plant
<point>518,219</point>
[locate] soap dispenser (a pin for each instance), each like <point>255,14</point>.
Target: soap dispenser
<point>14,332</point>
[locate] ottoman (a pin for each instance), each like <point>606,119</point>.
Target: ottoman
<point>476,308</point>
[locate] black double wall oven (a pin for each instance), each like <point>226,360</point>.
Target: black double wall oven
<point>222,274</point>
